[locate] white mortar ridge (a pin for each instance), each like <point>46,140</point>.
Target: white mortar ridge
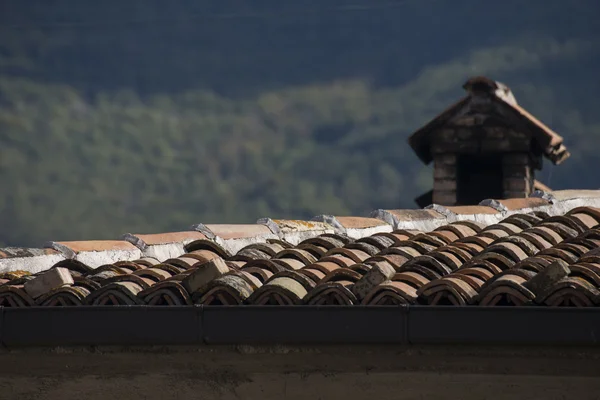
<point>163,252</point>
<point>32,265</point>
<point>354,233</point>
<point>95,259</point>
<point>233,245</point>
<point>295,231</point>
<point>359,233</point>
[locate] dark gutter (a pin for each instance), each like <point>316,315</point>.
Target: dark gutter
<point>189,325</point>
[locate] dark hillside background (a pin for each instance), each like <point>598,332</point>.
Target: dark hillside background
<point>151,115</point>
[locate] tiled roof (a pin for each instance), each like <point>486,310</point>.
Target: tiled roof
<point>543,250</point>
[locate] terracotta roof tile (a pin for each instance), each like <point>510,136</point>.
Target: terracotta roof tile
<point>430,258</point>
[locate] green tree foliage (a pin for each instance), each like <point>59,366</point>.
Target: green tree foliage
<point>241,126</point>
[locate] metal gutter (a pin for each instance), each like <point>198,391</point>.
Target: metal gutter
<point>198,325</point>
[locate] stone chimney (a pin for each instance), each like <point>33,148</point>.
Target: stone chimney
<point>485,146</point>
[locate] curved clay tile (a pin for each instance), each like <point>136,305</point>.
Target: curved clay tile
<point>378,240</point>
<point>326,242</point>
<point>576,249</point>
<point>499,260</point>
<point>411,278</point>
<point>118,293</point>
<point>302,279</point>
<point>589,244</point>
<point>534,264</point>
<point>528,247</point>
<point>279,291</point>
<point>447,291</point>
<point>364,247</point>
<point>511,276</point>
<point>445,236</point>
<point>283,243</point>
<point>332,293</point>
<point>338,259</point>
<point>479,272</point>
<point>146,261</point>
<point>168,293</point>
<point>460,230</point>
<point>316,251</point>
<point>391,293</point>
<point>420,248</point>
<point>324,266</point>
<point>481,241</point>
<point>208,245</point>
<point>507,249</point>
<point>506,294</point>
<point>572,223</point>
<point>408,233</point>
<point>249,254</point>
<point>447,258</point>
<point>201,256</point>
<point>342,274</point>
<point>154,274</point>
<point>314,274</point>
<point>86,283</point>
<point>262,274</point>
<point>354,254</point>
<point>538,241</point>
<point>14,296</point>
<point>561,228</point>
<point>475,282</point>
<point>268,248</point>
<point>507,227</point>
<point>74,266</point>
<point>429,240</point>
<point>473,249</point>
<point>560,254</point>
<point>130,265</point>
<point>297,254</point>
<point>587,271</point>
<point>573,291</point>
<point>185,261</point>
<point>504,287</point>
<point>171,269</point>
<point>345,239</point>
<point>585,219</point>
<point>64,296</point>
<point>589,216</point>
<point>268,265</point>
<point>517,221</point>
<point>228,289</point>
<point>430,262</point>
<point>363,268</point>
<point>404,251</point>
<point>590,257</point>
<point>474,225</point>
<point>547,234</point>
<point>494,234</point>
<point>395,260</point>
<point>421,270</point>
<point>458,252</point>
<point>143,282</point>
<point>289,264</point>
<point>530,219</point>
<point>482,263</point>
<point>102,276</point>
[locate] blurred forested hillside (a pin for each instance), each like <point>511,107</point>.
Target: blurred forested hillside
<point>151,115</point>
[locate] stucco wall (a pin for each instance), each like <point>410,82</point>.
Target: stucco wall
<point>297,373</point>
